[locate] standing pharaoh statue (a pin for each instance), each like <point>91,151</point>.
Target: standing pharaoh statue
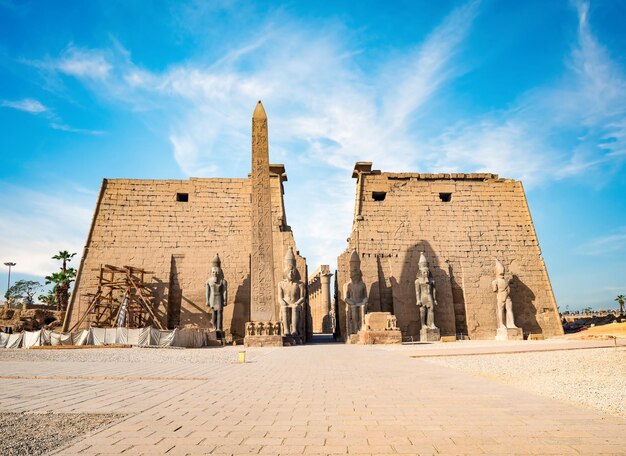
<point>291,296</point>
<point>503,299</point>
<point>355,295</point>
<point>216,292</point>
<point>426,295</point>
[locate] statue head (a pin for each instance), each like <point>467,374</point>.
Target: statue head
<point>355,267</point>
<point>499,269</point>
<point>216,267</point>
<point>290,271</point>
<point>423,266</point>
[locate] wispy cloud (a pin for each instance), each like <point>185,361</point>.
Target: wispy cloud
<point>587,107</point>
<point>27,105</point>
<point>63,127</point>
<point>608,244</point>
<point>326,112</point>
<point>36,225</point>
<point>83,63</point>
<point>32,106</point>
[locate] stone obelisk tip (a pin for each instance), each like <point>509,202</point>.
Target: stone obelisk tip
<point>259,111</point>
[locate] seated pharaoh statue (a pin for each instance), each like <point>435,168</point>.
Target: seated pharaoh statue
<point>355,296</point>
<point>291,296</point>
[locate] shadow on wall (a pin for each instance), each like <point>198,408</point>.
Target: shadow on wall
<point>202,315</point>
<point>241,309</point>
<point>379,295</point>
<point>524,308</point>
<point>159,289</point>
<point>403,289</point>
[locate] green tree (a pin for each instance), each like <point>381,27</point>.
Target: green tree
<point>620,300</point>
<point>22,290</point>
<point>48,299</point>
<point>62,280</point>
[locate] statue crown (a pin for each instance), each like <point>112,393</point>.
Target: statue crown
<point>423,263</point>
<point>290,258</point>
<point>354,258</point>
<point>499,267</point>
<point>216,262</point>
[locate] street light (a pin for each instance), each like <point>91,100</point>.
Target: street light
<point>10,264</point>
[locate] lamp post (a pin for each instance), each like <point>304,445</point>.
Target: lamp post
<point>10,264</point>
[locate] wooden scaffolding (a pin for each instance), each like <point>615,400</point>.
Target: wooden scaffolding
<point>123,299</point>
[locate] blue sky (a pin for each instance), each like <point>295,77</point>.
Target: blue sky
<point>530,90</point>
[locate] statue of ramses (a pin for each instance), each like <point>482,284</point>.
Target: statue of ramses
<point>355,295</point>
<point>426,294</point>
<point>503,299</point>
<point>291,296</point>
<point>216,292</point>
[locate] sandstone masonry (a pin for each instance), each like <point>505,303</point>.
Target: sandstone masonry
<point>174,228</point>
<point>461,222</point>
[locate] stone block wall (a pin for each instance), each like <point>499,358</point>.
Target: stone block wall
<point>462,222</point>
<point>141,223</point>
<point>320,300</point>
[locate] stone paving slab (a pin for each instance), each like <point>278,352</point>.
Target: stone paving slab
<point>316,399</point>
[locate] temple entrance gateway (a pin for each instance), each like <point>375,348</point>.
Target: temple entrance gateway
<point>418,264</point>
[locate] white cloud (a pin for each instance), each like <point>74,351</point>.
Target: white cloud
<point>326,112</point>
<point>608,244</point>
<point>26,105</point>
<point>63,127</point>
<point>589,104</point>
<point>84,63</point>
<point>34,226</point>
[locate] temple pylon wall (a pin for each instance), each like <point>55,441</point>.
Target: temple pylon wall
<point>142,223</point>
<point>461,222</point>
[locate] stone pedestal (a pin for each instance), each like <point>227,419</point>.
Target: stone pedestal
<point>263,334</point>
<point>378,328</point>
<point>429,335</point>
<point>263,341</point>
<point>509,334</point>
<point>368,337</point>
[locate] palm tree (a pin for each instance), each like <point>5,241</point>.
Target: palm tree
<point>62,279</point>
<point>65,256</point>
<point>620,300</point>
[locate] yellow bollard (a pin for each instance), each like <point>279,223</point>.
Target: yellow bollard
<point>242,357</point>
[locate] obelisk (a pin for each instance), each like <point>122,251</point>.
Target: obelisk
<point>262,299</point>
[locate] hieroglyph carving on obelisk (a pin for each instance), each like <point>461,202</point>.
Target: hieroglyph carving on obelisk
<point>262,302</point>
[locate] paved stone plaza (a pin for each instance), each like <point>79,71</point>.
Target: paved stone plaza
<point>313,399</point>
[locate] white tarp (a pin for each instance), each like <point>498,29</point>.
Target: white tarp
<point>110,336</point>
<point>32,339</point>
<point>46,337</point>
<point>66,338</point>
<point>143,337</point>
<point>161,337</point>
<point>96,336</point>
<point>189,338</point>
<point>15,340</point>
<point>121,335</point>
<point>55,338</point>
<point>133,335</point>
<point>4,338</point>
<point>81,337</point>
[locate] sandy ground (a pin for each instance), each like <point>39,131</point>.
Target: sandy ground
<point>39,433</point>
<point>613,329</point>
<point>593,378</point>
